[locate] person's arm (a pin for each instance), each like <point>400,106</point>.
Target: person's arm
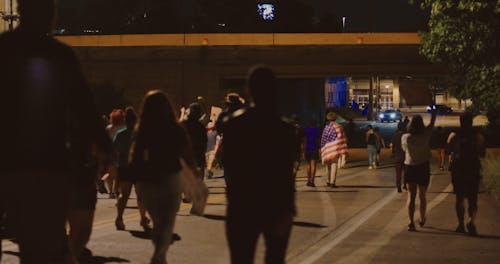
<point>404,143</point>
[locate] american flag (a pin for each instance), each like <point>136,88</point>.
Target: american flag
<point>333,142</point>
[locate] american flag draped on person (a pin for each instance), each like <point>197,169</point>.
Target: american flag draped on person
<point>333,142</point>
<point>333,146</point>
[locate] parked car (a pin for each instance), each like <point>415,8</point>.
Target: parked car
<point>440,109</point>
<point>390,116</point>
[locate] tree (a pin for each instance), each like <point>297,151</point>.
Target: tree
<point>463,36</point>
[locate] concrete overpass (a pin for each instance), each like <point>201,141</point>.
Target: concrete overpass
<point>187,65</point>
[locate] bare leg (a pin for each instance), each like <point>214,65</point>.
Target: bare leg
<point>80,228</point>
<point>460,210</point>
<point>333,173</point>
<point>125,188</point>
<point>312,164</point>
<point>412,187</point>
<point>422,191</point>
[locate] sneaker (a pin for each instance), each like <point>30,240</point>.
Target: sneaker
<point>370,167</point>
<point>471,228</point>
<point>119,224</point>
<point>411,227</point>
<point>422,222</point>
<point>375,165</point>
<point>460,229</point>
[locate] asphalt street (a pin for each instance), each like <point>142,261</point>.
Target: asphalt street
<point>362,221</point>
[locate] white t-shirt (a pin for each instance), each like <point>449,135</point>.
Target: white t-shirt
<point>417,147</point>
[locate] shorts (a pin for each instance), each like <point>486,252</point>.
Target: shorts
<point>419,174</point>
<point>312,155</point>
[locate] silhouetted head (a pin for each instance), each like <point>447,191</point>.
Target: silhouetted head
<point>156,111</point>
<point>416,125</point>
<point>130,117</point>
<point>466,121</point>
<point>36,16</point>
<point>261,85</point>
<point>331,116</point>
<point>194,111</point>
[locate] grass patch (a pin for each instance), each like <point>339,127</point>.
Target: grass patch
<point>491,172</point>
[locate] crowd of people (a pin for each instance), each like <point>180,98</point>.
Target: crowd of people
<point>58,146</point>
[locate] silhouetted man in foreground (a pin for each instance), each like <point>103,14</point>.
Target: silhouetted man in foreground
<point>259,155</point>
<point>49,123</point>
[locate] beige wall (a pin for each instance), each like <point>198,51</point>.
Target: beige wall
<point>242,39</point>
<point>5,7</point>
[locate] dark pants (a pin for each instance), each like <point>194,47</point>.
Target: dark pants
<point>36,207</point>
<point>242,232</point>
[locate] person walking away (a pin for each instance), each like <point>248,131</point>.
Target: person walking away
<point>333,146</point>
<point>116,123</point>
<point>440,144</point>
<point>46,99</point>
<point>371,139</point>
<point>126,178</point>
<point>416,145</point>
<point>232,103</point>
<point>312,134</point>
<point>212,142</point>
<point>399,157</point>
<point>197,136</point>
<point>259,154</point>
<point>158,144</point>
<point>467,148</point>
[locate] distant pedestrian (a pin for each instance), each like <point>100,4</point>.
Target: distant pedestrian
<point>213,140</point>
<point>333,146</point>
<point>158,145</point>
<point>440,145</point>
<point>416,145</point>
<point>399,157</point>
<point>466,147</point>
<point>312,141</point>
<point>197,135</point>
<point>51,125</point>
<point>406,121</point>
<point>259,154</point>
<point>371,139</point>
<point>116,123</point>
<point>232,103</point>
<point>300,143</point>
<point>126,178</point>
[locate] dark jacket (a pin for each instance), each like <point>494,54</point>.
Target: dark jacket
<point>259,155</point>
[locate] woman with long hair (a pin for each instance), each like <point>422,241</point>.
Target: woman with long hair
<point>157,149</point>
<point>416,145</point>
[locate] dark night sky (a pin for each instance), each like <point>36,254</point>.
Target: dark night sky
<point>373,15</point>
<point>361,15</point>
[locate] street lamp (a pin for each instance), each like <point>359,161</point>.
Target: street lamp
<point>10,16</point>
